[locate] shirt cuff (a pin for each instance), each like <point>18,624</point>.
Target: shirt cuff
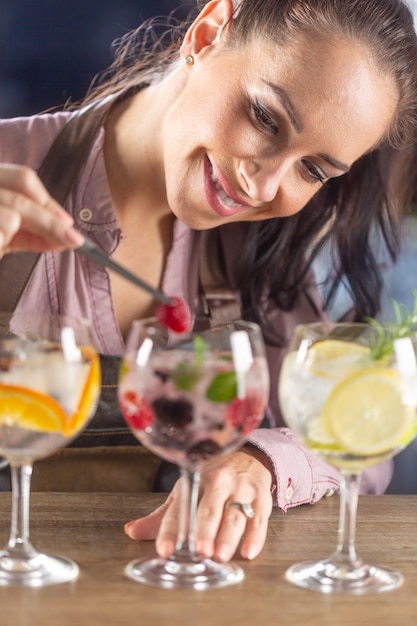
<point>300,476</point>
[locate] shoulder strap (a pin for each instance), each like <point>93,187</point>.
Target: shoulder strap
<point>220,303</point>
<point>58,172</point>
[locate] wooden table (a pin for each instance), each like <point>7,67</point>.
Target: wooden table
<point>89,529</point>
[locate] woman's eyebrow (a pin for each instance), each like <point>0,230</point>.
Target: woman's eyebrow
<point>334,162</point>
<point>295,122</point>
<point>287,105</point>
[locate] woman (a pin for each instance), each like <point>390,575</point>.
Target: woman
<point>264,123</point>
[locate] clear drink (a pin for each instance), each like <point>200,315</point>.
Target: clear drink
<point>349,391</point>
<point>172,406</point>
<point>49,389</point>
<point>45,399</point>
<point>336,378</point>
<point>189,398</point>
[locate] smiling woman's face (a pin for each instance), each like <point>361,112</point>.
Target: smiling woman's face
<point>257,130</point>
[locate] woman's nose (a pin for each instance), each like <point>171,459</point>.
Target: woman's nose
<point>262,180</point>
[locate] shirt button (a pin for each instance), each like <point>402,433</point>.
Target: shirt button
<point>85,214</point>
<point>288,493</point>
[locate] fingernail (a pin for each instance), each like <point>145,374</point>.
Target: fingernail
<point>165,548</point>
<point>73,237</point>
<point>251,553</point>
<point>127,527</point>
<point>223,552</point>
<point>204,548</point>
<point>63,215</point>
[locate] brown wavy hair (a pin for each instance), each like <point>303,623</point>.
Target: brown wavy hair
<point>349,210</point>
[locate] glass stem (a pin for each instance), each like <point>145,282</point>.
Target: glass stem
<point>349,494</point>
<point>190,481</point>
<point>19,545</point>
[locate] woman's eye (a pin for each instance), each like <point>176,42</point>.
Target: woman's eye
<point>263,118</point>
<point>314,174</point>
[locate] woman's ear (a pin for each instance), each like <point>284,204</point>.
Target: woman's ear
<point>207,26</point>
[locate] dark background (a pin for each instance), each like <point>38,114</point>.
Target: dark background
<point>51,49</point>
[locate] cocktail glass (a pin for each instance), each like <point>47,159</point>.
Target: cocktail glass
<point>49,388</point>
<point>189,399</point>
<point>354,409</point>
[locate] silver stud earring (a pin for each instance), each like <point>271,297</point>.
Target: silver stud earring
<point>189,59</point>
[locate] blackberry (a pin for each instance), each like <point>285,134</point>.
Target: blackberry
<point>163,376</point>
<point>203,450</point>
<point>177,413</point>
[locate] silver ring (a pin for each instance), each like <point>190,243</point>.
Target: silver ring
<point>246,508</point>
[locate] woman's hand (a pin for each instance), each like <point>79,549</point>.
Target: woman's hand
<point>244,476</point>
<point>30,219</point>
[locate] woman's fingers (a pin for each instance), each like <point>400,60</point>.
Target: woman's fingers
<point>220,527</point>
<point>257,527</point>
<point>235,529</point>
<point>24,225</point>
<point>24,180</point>
<point>147,527</point>
<point>168,530</point>
<point>30,219</point>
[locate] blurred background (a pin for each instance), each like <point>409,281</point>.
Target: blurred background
<point>51,49</point>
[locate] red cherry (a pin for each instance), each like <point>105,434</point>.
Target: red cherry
<point>136,410</point>
<point>175,316</point>
<point>245,413</point>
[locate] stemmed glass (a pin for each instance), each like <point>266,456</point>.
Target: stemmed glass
<point>189,399</point>
<point>354,404</point>
<point>49,388</point>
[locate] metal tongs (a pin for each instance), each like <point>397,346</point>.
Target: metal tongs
<point>90,250</point>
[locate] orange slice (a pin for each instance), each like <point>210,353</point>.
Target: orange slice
<point>89,394</point>
<point>26,408</point>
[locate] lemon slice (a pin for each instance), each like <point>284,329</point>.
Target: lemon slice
<point>26,408</point>
<point>335,348</point>
<point>318,437</point>
<point>365,412</point>
<point>335,358</point>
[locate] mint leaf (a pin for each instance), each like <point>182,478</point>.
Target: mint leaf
<point>185,376</point>
<point>223,388</point>
<point>405,325</point>
<point>200,349</point>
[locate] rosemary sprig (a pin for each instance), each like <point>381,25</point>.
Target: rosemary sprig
<point>405,325</point>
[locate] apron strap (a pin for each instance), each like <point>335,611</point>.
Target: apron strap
<point>58,173</point>
<point>220,303</point>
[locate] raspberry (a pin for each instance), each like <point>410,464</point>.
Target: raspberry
<point>175,316</point>
<point>245,413</point>
<point>136,411</point>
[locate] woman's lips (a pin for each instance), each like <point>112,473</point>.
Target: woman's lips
<point>223,203</point>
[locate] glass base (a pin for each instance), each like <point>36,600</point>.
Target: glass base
<point>184,574</point>
<point>36,571</point>
<point>329,577</point>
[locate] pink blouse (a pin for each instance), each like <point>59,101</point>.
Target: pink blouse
<point>68,283</point>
